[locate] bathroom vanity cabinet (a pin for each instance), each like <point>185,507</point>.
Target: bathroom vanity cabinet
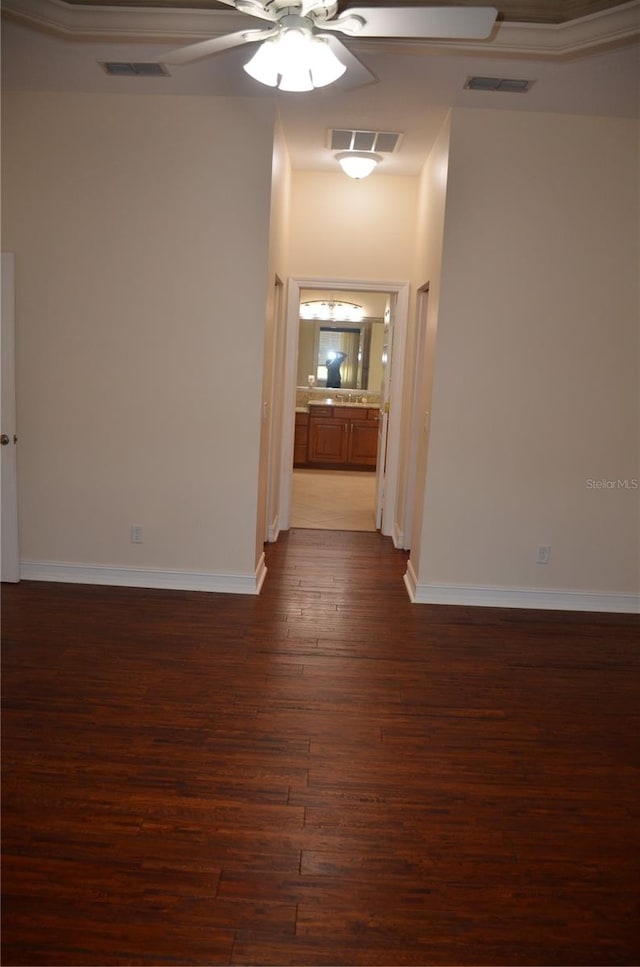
<point>301,439</point>
<point>342,437</point>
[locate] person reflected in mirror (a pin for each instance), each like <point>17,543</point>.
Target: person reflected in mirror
<point>333,364</point>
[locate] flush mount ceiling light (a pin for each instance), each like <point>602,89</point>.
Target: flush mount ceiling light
<point>294,59</point>
<point>358,164</point>
<point>331,311</point>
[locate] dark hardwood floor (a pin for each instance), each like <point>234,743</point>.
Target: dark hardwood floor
<point>325,774</point>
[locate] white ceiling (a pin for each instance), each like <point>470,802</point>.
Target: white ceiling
<point>591,66</point>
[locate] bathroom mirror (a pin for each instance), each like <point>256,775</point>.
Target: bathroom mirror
<point>351,349</point>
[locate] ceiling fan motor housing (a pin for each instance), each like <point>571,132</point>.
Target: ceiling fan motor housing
<point>315,10</point>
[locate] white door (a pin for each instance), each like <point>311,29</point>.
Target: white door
<point>383,420</point>
<point>10,566</point>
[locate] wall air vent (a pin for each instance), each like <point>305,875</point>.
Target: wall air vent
<point>125,69</point>
<point>511,85</point>
<point>347,139</point>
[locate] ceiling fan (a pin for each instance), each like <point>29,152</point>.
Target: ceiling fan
<point>299,50</point>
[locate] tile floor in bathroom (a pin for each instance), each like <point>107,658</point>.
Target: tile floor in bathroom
<point>333,500</point>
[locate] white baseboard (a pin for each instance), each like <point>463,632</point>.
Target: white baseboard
<point>410,582</point>
<point>543,599</point>
<point>261,573</point>
<point>133,577</point>
<point>398,537</point>
<point>273,530</point>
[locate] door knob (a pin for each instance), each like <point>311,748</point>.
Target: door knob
<point>4,439</point>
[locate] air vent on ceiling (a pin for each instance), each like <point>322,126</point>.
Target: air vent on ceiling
<point>511,85</point>
<point>125,69</point>
<point>346,139</point>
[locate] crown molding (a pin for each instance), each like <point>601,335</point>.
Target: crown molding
<point>77,22</point>
<point>606,29</point>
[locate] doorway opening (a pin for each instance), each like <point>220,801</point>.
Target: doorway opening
<point>343,434</point>
<point>341,360</point>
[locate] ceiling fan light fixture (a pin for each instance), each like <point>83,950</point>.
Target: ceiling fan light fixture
<point>295,61</point>
<point>263,65</point>
<point>324,65</point>
<point>358,164</point>
<point>293,50</point>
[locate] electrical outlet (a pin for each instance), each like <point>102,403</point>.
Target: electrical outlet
<point>544,553</point>
<point>136,534</point>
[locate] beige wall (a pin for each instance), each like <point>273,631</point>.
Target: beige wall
<point>536,367</point>
<point>143,285</point>
<point>140,238</point>
<point>346,229</point>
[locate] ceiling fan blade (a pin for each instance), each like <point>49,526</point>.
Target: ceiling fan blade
<point>469,23</point>
<point>357,74</point>
<point>193,52</point>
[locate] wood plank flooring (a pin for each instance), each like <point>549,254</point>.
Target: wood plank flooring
<point>325,774</point>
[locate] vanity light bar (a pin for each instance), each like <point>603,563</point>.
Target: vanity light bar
<point>331,311</point>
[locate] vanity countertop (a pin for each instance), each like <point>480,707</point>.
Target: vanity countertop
<point>332,401</point>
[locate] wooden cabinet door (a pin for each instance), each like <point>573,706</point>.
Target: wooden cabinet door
<point>363,443</point>
<point>300,440</point>
<point>328,439</point>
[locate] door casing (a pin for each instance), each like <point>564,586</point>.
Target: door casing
<point>10,553</point>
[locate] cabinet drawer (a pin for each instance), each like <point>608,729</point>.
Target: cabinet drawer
<point>323,411</point>
<point>347,413</point>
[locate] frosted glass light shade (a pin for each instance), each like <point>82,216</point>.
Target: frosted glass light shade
<point>358,164</point>
<point>325,66</point>
<point>295,61</point>
<point>263,65</point>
